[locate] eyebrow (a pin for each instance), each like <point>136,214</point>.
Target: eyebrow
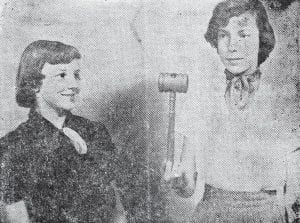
<point>64,70</point>
<point>243,22</point>
<point>242,30</point>
<point>223,30</point>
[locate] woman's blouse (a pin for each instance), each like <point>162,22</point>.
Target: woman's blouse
<point>238,150</point>
<point>41,166</point>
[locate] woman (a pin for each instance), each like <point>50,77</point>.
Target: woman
<point>242,145</point>
<point>60,165</point>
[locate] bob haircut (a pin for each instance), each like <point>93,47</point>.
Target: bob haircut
<point>29,76</point>
<point>230,8</point>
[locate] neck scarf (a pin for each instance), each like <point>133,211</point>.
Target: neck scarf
<point>77,141</point>
<point>241,88</point>
<point>41,123</point>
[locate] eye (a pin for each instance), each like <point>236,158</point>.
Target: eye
<point>222,35</point>
<point>62,75</point>
<point>244,35</point>
<point>77,75</point>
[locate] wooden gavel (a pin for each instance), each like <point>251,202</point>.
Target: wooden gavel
<point>172,83</point>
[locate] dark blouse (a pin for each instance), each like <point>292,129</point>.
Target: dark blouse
<point>41,166</point>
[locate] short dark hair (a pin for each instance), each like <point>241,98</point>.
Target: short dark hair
<point>29,76</point>
<point>230,8</point>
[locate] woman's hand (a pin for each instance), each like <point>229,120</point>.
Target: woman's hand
<point>173,169</point>
<point>296,209</point>
<point>16,213</point>
<point>182,172</point>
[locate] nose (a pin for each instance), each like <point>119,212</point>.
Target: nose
<point>73,84</point>
<point>233,44</point>
<point>76,90</point>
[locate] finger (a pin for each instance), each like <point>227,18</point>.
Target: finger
<point>17,212</point>
<point>168,171</point>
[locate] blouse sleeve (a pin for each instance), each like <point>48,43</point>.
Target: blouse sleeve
<point>14,177</point>
<point>19,183</point>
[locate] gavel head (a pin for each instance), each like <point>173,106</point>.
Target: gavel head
<point>172,82</point>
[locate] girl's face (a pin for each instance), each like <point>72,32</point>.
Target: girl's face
<point>238,44</point>
<point>60,85</point>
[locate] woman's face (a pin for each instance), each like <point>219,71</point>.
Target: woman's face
<point>238,44</point>
<point>60,85</point>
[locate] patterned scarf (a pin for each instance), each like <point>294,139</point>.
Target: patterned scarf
<point>241,88</point>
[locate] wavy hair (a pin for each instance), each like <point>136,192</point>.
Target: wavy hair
<point>230,8</point>
<point>29,76</point>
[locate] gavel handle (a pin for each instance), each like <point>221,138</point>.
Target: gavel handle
<point>171,127</point>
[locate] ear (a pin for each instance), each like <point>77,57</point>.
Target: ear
<point>216,46</point>
<point>36,90</point>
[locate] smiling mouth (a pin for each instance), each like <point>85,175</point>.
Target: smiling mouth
<point>233,59</point>
<point>68,94</point>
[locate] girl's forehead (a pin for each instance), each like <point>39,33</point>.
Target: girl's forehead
<point>73,65</point>
<point>242,21</point>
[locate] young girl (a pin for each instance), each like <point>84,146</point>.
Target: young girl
<point>242,145</point>
<point>59,164</point>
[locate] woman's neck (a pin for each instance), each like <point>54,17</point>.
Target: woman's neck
<point>244,73</point>
<point>56,117</point>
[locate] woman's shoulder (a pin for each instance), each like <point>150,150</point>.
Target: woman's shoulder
<point>86,125</point>
<point>93,132</point>
<point>96,135</point>
<point>16,144</point>
<point>17,136</point>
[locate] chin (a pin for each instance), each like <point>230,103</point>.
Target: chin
<point>70,108</point>
<point>237,70</point>
<point>66,107</point>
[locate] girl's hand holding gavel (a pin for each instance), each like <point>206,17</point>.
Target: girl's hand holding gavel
<point>181,173</point>
<point>14,213</point>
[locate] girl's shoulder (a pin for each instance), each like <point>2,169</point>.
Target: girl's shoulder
<point>17,138</point>
<point>85,125</point>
